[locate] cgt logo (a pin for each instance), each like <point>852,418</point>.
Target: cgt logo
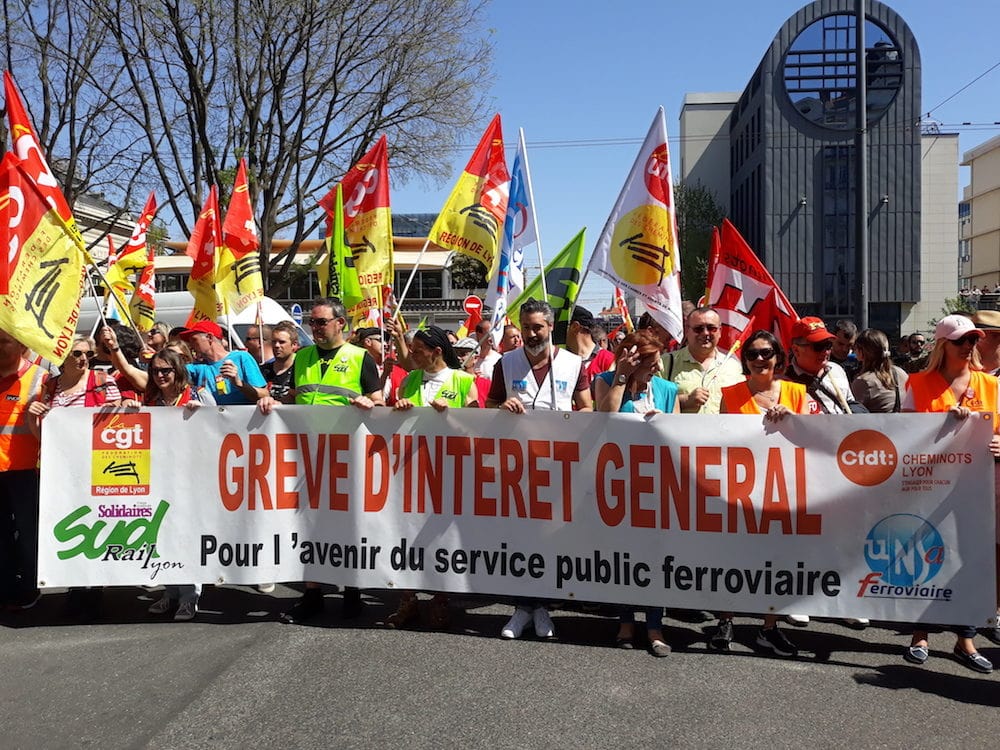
<point>121,432</point>
<point>867,457</point>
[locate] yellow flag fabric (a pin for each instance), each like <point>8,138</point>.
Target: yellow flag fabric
<point>42,305</point>
<point>203,248</point>
<point>239,283</point>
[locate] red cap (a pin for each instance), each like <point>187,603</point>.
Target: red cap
<point>202,326</point>
<point>812,330</point>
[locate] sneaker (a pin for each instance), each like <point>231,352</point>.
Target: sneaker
<point>406,613</point>
<point>857,623</point>
<point>308,606</point>
<point>722,636</point>
<point>774,640</point>
<point>991,634</point>
<point>517,623</point>
<point>186,610</point>
<point>799,621</point>
<point>659,648</point>
<point>265,588</point>
<point>916,655</point>
<point>544,628</point>
<point>350,604</point>
<point>974,661</point>
<point>161,606</point>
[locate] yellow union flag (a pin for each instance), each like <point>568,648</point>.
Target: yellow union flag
<point>473,215</point>
<point>42,305</point>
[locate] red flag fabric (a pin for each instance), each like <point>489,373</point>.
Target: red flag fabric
<point>239,282</point>
<point>203,247</point>
<point>745,294</point>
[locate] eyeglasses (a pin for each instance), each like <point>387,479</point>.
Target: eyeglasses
<point>967,340</point>
<point>822,346</point>
<point>319,322</point>
<point>753,354</point>
<point>81,353</point>
<point>704,328</point>
<point>163,370</point>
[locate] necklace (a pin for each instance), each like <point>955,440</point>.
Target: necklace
<point>767,399</point>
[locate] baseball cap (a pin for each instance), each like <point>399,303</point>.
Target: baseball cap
<point>954,327</point>
<point>811,329</point>
<point>202,326</point>
<point>987,320</point>
<point>360,334</point>
<point>466,344</point>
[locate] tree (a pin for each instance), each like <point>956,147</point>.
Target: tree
<point>697,212</point>
<point>467,273</point>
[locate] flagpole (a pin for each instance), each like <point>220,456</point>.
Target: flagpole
<point>413,272</point>
<point>121,305</point>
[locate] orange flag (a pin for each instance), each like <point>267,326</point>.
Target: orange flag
<point>240,283</point>
<point>203,248</point>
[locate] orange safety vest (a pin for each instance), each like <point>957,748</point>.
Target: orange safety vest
<point>737,399</point>
<point>18,447</point>
<point>931,392</point>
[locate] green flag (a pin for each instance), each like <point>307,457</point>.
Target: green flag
<point>562,281</point>
<point>337,275</point>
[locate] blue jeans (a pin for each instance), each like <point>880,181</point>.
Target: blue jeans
<point>18,533</point>
<point>654,617</point>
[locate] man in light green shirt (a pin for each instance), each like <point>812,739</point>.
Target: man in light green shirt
<point>700,370</point>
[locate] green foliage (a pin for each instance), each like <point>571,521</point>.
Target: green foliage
<point>697,212</point>
<point>467,273</point>
<point>952,306</point>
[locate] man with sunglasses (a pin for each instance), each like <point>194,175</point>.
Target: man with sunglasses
<point>331,372</point>
<point>825,381</point>
<point>700,370</point>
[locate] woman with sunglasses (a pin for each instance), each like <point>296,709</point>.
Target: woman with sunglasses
<point>169,386</point>
<point>632,388</point>
<point>953,382</point>
<point>763,392</point>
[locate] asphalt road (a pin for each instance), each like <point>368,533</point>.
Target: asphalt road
<point>237,678</point>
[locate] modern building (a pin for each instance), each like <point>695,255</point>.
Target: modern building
<point>979,218</point>
<point>780,158</point>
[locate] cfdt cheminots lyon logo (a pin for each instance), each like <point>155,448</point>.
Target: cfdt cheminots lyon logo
<point>904,552</point>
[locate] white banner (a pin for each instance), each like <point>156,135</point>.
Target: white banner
<point>882,516</point>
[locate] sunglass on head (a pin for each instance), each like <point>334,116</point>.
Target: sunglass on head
<point>319,322</point>
<point>704,328</point>
<point>163,370</point>
<point>969,338</point>
<point>753,354</point>
<point>81,353</point>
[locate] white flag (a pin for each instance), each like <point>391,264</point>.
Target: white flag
<point>638,250</point>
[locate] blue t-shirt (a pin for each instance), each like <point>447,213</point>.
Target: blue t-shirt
<point>664,394</point>
<point>204,375</point>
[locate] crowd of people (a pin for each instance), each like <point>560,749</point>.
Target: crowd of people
<point>837,370</point>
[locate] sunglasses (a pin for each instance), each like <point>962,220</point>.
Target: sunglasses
<point>822,346</point>
<point>163,370</point>
<point>753,354</point>
<point>81,353</point>
<point>968,339</point>
<point>704,328</point>
<point>319,322</point>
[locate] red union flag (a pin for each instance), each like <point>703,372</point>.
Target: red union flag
<point>239,282</point>
<point>203,248</point>
<point>42,303</point>
<point>133,259</point>
<point>368,225</point>
<point>743,292</point>
<point>471,219</point>
<point>32,162</point>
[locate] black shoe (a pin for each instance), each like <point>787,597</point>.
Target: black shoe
<point>774,640</point>
<point>350,605</point>
<point>991,634</point>
<point>307,607</point>
<point>722,636</point>
<point>974,661</point>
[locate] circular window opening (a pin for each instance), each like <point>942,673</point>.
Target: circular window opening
<point>820,71</point>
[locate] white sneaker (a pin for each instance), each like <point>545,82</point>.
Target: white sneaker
<point>265,588</point>
<point>516,624</point>
<point>857,622</point>
<point>186,610</point>
<point>543,623</point>
<point>161,606</point>
<point>799,620</point>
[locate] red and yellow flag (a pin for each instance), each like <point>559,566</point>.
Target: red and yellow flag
<point>26,147</point>
<point>143,302</point>
<point>132,260</point>
<point>473,215</point>
<point>368,225</point>
<point>240,283</point>
<point>42,303</point>
<point>203,247</point>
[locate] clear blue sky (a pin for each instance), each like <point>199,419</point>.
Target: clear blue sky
<point>588,70</point>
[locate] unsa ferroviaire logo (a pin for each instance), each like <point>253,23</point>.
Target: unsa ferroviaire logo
<point>904,553</point>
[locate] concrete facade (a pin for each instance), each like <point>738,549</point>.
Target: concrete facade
<point>980,236</point>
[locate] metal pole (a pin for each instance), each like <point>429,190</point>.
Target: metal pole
<point>861,172</point>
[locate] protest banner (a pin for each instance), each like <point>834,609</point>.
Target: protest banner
<point>881,516</point>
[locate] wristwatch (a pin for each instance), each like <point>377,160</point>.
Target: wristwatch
<point>621,379</point>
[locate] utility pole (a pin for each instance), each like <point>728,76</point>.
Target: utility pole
<point>861,171</point>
